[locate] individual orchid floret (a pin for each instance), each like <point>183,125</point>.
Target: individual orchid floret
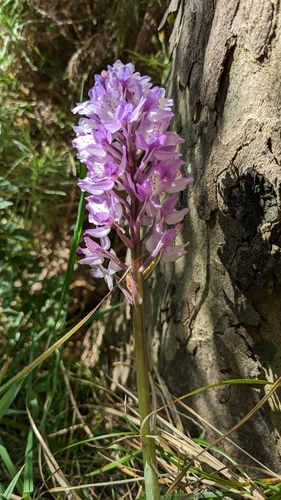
<point>133,171</point>
<point>104,210</point>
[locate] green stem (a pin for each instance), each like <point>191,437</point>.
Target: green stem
<point>142,371</point>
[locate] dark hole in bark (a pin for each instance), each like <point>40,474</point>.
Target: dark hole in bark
<point>250,203</point>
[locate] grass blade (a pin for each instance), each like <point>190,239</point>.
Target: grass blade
<point>14,474</point>
<point>9,490</point>
<point>8,398</point>
<point>75,242</point>
<point>28,483</point>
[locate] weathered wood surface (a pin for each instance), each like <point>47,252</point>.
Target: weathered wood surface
<point>218,311</point>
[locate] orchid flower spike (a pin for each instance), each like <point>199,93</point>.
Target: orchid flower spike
<point>133,171</point>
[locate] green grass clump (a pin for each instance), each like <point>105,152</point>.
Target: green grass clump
<point>68,435</point>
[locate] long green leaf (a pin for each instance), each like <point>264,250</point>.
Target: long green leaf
<point>76,234</point>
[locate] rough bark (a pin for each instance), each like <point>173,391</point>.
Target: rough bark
<point>217,312</point>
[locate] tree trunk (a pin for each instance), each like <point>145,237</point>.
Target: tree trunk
<point>218,309</point>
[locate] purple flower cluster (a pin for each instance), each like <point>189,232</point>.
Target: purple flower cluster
<point>133,176</point>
